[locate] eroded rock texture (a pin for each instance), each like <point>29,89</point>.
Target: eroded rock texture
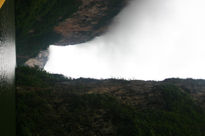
<point>42,23</point>
<point>92,19</point>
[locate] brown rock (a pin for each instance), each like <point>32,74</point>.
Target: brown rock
<point>89,21</point>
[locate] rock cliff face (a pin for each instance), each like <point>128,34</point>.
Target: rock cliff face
<point>37,30</point>
<point>91,19</point>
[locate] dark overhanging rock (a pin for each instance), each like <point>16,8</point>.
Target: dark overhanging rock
<point>91,19</point>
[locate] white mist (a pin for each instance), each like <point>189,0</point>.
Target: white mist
<point>149,40</point>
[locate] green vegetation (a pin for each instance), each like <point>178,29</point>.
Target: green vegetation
<point>8,105</point>
<point>35,20</point>
<point>35,77</point>
<point>46,108</point>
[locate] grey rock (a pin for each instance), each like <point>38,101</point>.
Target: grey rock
<point>39,61</point>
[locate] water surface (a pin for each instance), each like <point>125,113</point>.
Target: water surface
<point>149,40</point>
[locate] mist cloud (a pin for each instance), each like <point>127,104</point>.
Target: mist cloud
<point>149,39</point>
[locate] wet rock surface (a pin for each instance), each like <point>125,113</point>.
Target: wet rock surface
<point>37,30</point>
<point>91,20</point>
<point>39,61</point>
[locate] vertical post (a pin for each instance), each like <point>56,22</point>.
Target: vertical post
<point>7,69</point>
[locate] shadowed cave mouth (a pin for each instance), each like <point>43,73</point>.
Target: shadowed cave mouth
<point>147,40</point>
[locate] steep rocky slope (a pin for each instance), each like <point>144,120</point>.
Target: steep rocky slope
<point>53,105</point>
<point>41,23</point>
<point>136,92</point>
